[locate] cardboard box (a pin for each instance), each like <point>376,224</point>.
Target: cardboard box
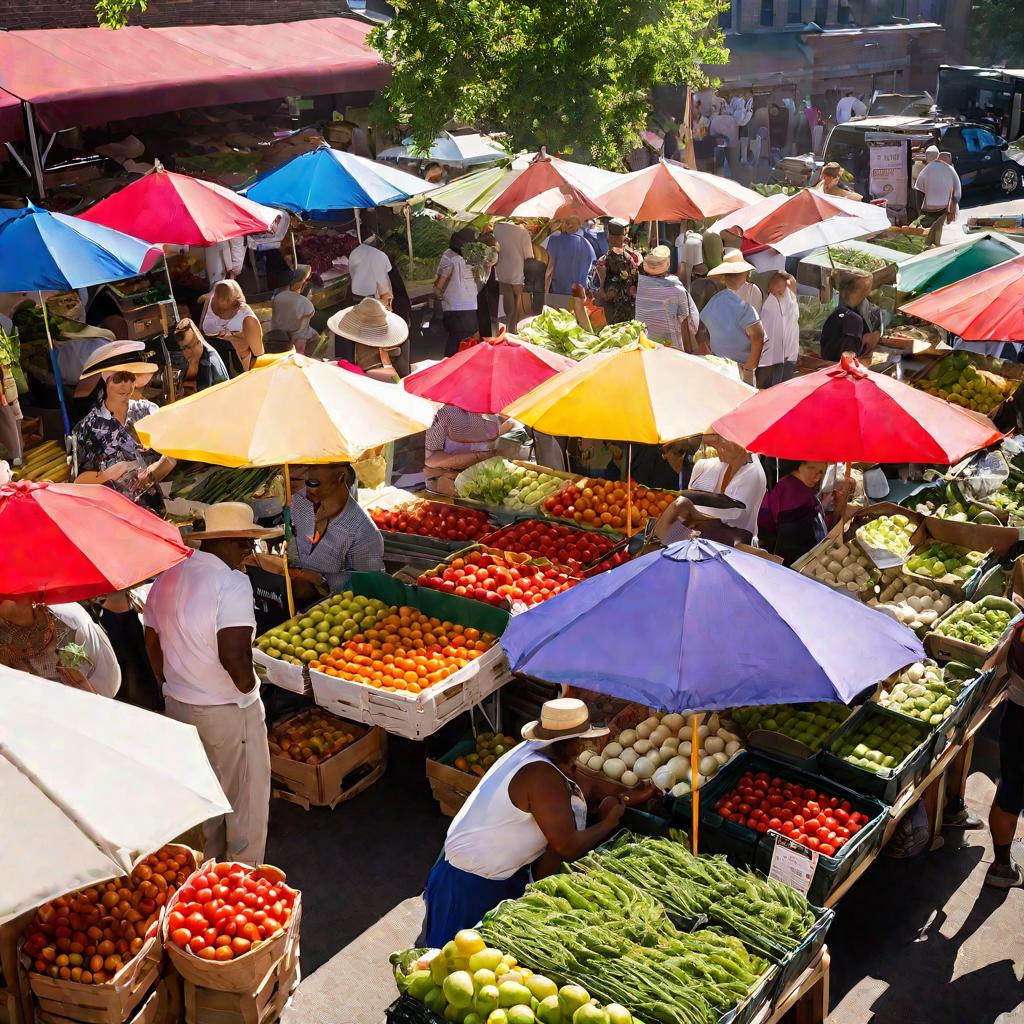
<point>995,539</point>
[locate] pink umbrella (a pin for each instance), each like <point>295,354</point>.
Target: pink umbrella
<point>671,192</point>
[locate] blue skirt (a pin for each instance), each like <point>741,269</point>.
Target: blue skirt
<point>457,899</point>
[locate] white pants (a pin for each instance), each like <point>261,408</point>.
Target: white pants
<point>235,740</point>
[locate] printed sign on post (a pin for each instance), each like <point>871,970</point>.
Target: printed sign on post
<point>792,863</point>
<point>888,177</point>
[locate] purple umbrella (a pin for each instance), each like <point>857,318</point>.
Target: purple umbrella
<point>701,625</point>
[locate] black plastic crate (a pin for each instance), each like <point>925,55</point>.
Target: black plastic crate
<point>886,783</point>
<point>406,1010</point>
<point>803,956</point>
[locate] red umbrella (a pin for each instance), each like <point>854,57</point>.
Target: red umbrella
<point>69,542</point>
<point>174,209</point>
<point>550,176</point>
<point>844,413</point>
<point>988,306</point>
<point>487,377</point>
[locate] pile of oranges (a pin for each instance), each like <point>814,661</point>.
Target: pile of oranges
<point>89,935</point>
<point>405,652</point>
<point>604,503</point>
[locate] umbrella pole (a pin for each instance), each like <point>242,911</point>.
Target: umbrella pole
<point>408,231</point>
<point>56,369</point>
<point>629,490</point>
<point>295,252</point>
<point>359,227</point>
<point>170,291</point>
<point>694,791</point>
<point>287,532</point>
<point>841,504</point>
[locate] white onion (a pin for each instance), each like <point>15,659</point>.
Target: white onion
<point>721,757</point>
<point>732,747</point>
<point>596,763</point>
<point>644,768</point>
<point>612,750</point>
<point>655,758</point>
<point>703,732</point>
<point>627,738</point>
<point>642,746</point>
<point>672,721</point>
<point>681,789</point>
<point>659,735</point>
<point>643,730</point>
<point>629,779</point>
<point>713,744</point>
<point>672,743</point>
<point>686,748</point>
<point>707,766</point>
<point>679,765</point>
<point>614,768</point>
<point>585,757</point>
<point>630,756</point>
<point>663,778</point>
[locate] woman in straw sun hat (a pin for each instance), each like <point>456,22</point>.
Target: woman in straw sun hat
<point>380,338</point>
<point>522,821</point>
<point>109,451</point>
<point>663,305</point>
<point>730,326</point>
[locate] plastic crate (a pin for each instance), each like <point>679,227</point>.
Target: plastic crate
<point>803,956</point>
<point>947,648</point>
<point>887,783</point>
<point>755,1000</point>
<point>744,847</point>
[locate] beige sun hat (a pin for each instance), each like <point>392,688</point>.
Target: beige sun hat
<point>127,356</point>
<point>658,259</point>
<point>88,331</point>
<point>232,519</point>
<point>563,719</point>
<point>732,263</point>
<point>369,323</point>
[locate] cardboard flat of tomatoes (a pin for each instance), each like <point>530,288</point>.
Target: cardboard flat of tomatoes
<point>433,520</point>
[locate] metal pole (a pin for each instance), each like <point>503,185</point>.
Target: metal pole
<point>56,372</point>
<point>408,232</point>
<point>33,142</point>
<point>359,228</point>
<point>170,288</point>
<point>295,253</point>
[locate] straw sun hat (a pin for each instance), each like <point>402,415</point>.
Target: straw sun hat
<point>232,519</point>
<point>118,356</point>
<point>732,263</point>
<point>657,260</point>
<point>369,323</point>
<point>563,719</point>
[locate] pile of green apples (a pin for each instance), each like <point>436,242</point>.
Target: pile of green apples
<point>878,744</point>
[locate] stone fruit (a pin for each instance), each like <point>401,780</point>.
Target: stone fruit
<point>311,736</point>
<point>229,909</point>
<point>89,935</point>
<point>490,578</point>
<point>810,724</point>
<point>602,503</point>
<point>433,519</point>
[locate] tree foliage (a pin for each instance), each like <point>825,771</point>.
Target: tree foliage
<point>997,32</point>
<point>114,13</point>
<point>572,75</point>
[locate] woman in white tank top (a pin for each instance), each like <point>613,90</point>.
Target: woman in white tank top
<point>525,814</point>
<point>227,315</point>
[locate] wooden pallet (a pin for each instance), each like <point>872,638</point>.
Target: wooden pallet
<point>15,995</point>
<point>262,1006</point>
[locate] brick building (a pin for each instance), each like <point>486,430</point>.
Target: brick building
<point>16,14</point>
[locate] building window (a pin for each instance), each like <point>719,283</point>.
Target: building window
<point>794,12</point>
<point>821,12</point>
<point>768,12</point>
<point>730,17</point>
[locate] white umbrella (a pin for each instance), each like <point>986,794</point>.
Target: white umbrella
<point>89,786</point>
<point>454,150</point>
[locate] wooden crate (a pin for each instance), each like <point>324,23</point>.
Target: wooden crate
<point>263,1005</point>
<point>450,786</point>
<point>15,995</point>
<point>163,1005</point>
<point>323,785</point>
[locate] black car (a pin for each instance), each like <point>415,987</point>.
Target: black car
<point>979,156</point>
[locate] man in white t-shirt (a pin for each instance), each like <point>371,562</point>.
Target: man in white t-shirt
<point>368,269</point>
<point>515,247</point>
<point>291,311</point>
<point>780,317</point>
<point>939,188</point>
<point>200,624</point>
<point>848,107</point>
<point>224,260</point>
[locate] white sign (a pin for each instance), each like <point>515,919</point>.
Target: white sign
<point>888,178</point>
<point>792,863</point>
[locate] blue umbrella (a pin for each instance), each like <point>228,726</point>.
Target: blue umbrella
<point>44,251</point>
<point>701,625</point>
<point>326,180</point>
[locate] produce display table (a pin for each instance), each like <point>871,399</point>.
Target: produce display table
<point>806,1002</point>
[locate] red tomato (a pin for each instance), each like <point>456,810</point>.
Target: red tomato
<point>812,842</point>
<point>195,922</point>
<point>744,808</point>
<point>775,823</point>
<point>175,919</point>
<point>196,943</point>
<point>240,946</point>
<point>786,828</point>
<point>827,849</point>
<point>181,937</point>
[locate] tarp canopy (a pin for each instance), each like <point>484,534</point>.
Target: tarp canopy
<point>90,76</point>
<point>935,268</point>
<point>12,126</point>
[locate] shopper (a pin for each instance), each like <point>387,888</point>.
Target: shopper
<point>729,325</point>
<point>791,519</point>
<point>1003,816</point>
<point>291,310</point>
<point>224,260</point>
<point>735,473</point>
<point>780,318</point>
<point>109,451</point>
<point>204,366</point>
<point>831,183</point>
<point>663,305</point>
<point>525,818</point>
<point>380,338</point>
<point>333,534</point>
<point>616,274</point>
<point>368,270</point>
<point>938,186</point>
<point>200,624</point>
<point>455,291</point>
<point>572,258</point>
<point>228,317</point>
<point>456,440</point>
<point>515,247</point>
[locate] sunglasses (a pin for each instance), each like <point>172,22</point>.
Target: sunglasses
<point>122,377</point>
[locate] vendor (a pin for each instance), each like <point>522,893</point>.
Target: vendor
<point>291,310</point>
<point>35,638</point>
<point>227,316</point>
<point>736,474</point>
<point>267,249</point>
<point>204,366</point>
<point>845,329</point>
<point>333,534</point>
<point>791,520</point>
<point>525,818</point>
<point>831,183</point>
<point>109,451</point>
<point>456,440</point>
<point>378,336</point>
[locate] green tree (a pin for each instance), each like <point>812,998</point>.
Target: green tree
<point>571,75</point>
<point>997,32</point>
<point>114,13</point>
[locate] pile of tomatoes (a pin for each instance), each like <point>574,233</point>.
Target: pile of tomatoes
<point>230,909</point>
<point>606,503</point>
<point>811,817</point>
<point>495,580</point>
<point>433,519</point>
<point>562,544</point>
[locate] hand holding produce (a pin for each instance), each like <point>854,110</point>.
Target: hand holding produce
<point>947,563</point>
<point>603,503</point>
<point>659,751</point>
<point>489,747</point>
<point>878,743</point>
<point>922,691</point>
<point>810,724</point>
<point>503,483</point>
<point>957,381</point>
<point>981,624</point>
<point>433,519</point>
<point>892,533</point>
<point>485,576</point>
<point>915,605</point>
<point>809,816</point>
<point>89,935</point>
<point>311,736</point>
<point>229,910</point>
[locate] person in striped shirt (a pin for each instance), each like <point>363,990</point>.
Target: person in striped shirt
<point>663,305</point>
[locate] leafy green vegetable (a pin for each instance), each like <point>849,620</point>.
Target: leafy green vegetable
<point>558,330</point>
